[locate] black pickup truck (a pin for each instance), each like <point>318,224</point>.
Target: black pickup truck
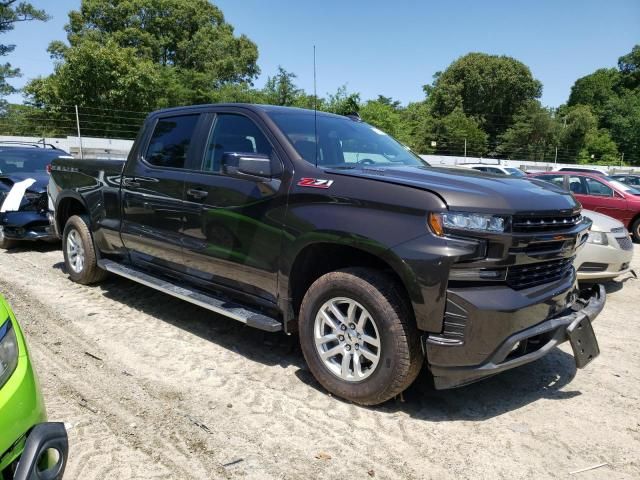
<point>296,221</point>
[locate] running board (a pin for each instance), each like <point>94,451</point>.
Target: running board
<point>217,305</point>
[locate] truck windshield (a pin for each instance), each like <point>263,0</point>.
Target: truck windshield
<point>342,142</point>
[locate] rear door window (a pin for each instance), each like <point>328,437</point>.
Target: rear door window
<point>171,140</point>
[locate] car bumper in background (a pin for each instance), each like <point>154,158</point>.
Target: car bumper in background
<point>595,261</point>
<point>487,338</point>
<point>26,225</point>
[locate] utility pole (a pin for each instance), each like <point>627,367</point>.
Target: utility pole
<point>555,160</point>
<point>622,159</point>
<point>79,135</point>
<point>465,147</point>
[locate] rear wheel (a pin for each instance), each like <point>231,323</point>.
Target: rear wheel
<point>5,243</point>
<point>358,336</point>
<point>80,257</point>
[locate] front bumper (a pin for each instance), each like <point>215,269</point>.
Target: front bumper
<point>41,440</point>
<point>27,225</point>
<point>454,363</point>
<point>604,261</point>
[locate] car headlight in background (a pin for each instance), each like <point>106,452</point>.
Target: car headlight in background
<point>597,238</point>
<point>8,351</point>
<point>464,221</point>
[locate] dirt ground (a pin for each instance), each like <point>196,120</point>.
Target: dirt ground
<point>152,387</point>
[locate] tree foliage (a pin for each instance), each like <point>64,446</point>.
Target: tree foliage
<point>490,88</point>
<point>183,49</point>
<point>126,56</point>
<point>10,14</point>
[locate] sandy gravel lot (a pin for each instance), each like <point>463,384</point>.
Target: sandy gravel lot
<point>152,387</point>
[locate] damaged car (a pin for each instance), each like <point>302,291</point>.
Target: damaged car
<point>24,207</point>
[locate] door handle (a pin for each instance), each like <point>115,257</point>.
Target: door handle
<point>197,194</point>
<point>130,182</point>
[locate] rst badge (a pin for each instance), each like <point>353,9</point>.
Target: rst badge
<point>315,183</point>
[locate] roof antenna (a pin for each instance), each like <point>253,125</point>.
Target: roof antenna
<point>315,105</point>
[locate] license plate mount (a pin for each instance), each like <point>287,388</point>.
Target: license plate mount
<point>583,341</point>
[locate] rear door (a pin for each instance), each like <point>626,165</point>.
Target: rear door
<point>153,190</point>
<point>233,228</point>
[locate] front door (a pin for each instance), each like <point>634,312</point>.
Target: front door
<point>232,234</point>
<point>152,194</point>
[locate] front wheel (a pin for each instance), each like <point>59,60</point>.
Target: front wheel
<point>635,230</point>
<point>358,336</point>
<point>80,257</point>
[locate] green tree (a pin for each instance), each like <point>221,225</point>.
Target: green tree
<point>577,122</point>
<point>595,89</point>
<point>104,77</point>
<point>179,52</point>
<point>456,129</point>
<point>489,88</point>
<point>534,134</point>
<point>342,102</point>
<point>387,115</point>
<point>599,148</point>
<point>281,88</point>
<point>10,14</point>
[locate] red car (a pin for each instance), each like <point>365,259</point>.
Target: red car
<point>602,194</point>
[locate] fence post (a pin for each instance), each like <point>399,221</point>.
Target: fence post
<point>79,135</point>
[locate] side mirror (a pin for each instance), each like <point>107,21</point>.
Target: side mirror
<point>250,166</point>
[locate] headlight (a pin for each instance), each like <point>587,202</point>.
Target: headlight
<point>598,238</point>
<point>8,351</point>
<point>474,222</point>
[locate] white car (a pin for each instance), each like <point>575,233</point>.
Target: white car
<point>498,169</point>
<point>608,250</point>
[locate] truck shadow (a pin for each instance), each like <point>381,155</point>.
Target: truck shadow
<point>509,391</point>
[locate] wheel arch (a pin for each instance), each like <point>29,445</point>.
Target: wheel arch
<point>68,205</point>
<point>315,259</point>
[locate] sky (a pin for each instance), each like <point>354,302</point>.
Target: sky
<point>393,48</point>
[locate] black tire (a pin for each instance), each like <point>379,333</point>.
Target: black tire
<point>635,230</point>
<point>90,272</point>
<point>400,354</point>
<point>6,244</point>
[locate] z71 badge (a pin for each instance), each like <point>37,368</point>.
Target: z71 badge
<point>315,183</point>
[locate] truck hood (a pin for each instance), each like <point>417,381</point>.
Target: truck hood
<point>475,191</point>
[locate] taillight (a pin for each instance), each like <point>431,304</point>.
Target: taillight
<point>48,168</point>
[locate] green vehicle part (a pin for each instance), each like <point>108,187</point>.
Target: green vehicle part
<point>22,407</point>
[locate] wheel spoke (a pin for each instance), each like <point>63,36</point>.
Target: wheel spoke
<point>332,352</point>
<point>366,353</point>
<point>329,321</point>
<point>346,360</point>
<point>370,340</point>
<point>326,339</point>
<point>362,320</point>
<point>336,312</point>
<point>357,366</point>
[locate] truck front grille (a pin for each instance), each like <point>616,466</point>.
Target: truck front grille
<point>535,224</point>
<point>533,274</point>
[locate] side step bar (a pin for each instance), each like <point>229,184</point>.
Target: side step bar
<point>217,305</point>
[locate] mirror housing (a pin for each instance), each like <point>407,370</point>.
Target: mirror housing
<point>250,166</point>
